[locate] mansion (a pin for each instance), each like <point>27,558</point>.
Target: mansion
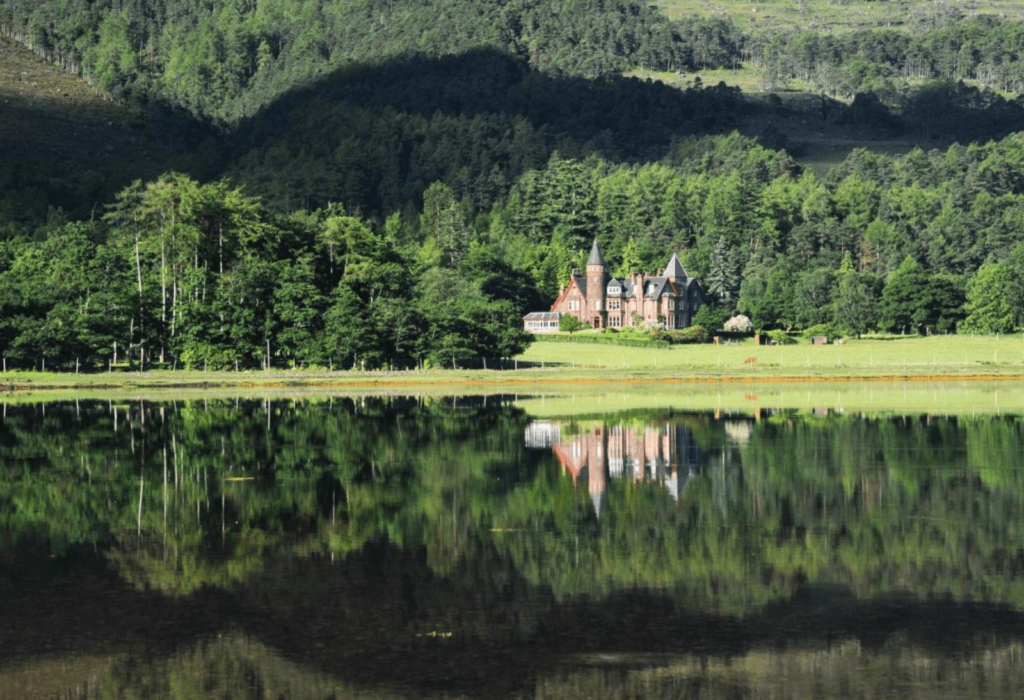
<point>599,300</point>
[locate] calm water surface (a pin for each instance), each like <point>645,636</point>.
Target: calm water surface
<point>477,548</point>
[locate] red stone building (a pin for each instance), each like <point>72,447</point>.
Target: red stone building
<point>601,301</point>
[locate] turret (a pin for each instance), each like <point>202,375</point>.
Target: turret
<point>595,284</point>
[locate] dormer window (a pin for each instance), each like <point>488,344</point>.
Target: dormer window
<point>614,289</point>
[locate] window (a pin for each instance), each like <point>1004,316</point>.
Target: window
<point>574,305</point>
<point>616,321</point>
<point>615,290</point>
<point>614,304</point>
<point>671,304</point>
<point>597,305</point>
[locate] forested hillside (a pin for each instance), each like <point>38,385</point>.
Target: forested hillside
<point>394,185</point>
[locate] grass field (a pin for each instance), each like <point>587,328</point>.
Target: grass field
<point>545,364</point>
<point>825,15</point>
<point>947,356</point>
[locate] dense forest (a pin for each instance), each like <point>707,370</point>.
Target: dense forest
<point>224,61</point>
<point>348,185</point>
<point>204,276</point>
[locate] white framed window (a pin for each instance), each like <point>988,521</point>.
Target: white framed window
<point>616,321</point>
<point>614,304</point>
<point>597,305</point>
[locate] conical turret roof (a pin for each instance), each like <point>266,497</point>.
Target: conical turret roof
<point>595,255</point>
<point>675,269</point>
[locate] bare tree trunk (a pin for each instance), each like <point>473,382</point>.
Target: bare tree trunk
<point>142,483</point>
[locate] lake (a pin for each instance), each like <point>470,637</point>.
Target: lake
<point>713,543</point>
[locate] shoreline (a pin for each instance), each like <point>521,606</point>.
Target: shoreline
<point>20,382</point>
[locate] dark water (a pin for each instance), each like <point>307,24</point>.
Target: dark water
<point>457,548</point>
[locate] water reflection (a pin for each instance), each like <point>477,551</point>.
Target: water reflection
<point>664,454</point>
<point>406,547</point>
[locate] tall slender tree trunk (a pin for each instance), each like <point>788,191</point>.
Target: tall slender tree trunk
<point>163,291</point>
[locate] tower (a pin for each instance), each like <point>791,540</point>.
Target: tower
<point>595,313</point>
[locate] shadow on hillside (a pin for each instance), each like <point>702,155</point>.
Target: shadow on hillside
<point>65,147</point>
<point>376,135</point>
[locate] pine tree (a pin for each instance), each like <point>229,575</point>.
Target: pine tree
<point>722,278</point>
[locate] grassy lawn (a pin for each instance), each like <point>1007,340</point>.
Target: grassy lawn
<point>951,356</point>
<point>547,364</point>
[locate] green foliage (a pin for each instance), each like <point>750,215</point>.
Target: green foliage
<point>686,336</point>
<point>568,323</point>
<point>629,340</point>
<point>989,306</point>
<point>822,329</point>
<point>855,304</point>
<point>780,338</point>
<point>712,317</point>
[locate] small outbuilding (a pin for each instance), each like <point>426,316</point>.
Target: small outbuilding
<point>541,321</point>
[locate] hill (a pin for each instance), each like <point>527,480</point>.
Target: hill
<point>68,145</point>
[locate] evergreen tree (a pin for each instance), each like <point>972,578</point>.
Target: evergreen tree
<point>989,306</point>
<point>722,280</point>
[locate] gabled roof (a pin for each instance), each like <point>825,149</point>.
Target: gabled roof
<point>656,287</point>
<point>675,269</point>
<point>595,255</point>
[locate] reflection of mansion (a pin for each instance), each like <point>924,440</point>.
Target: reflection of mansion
<point>602,301</point>
<point>665,454</point>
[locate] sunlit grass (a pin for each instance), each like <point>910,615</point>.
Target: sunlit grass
<point>823,15</point>
<point>910,356</point>
<point>547,365</point>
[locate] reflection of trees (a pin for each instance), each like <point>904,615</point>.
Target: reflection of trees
<point>355,629</point>
<point>875,504</point>
<point>202,492</point>
<point>844,671</point>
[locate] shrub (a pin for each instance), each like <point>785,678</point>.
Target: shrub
<point>570,324</point>
<point>824,329</point>
<point>685,336</point>
<point>632,340</point>
<point>738,324</point>
<point>780,338</point>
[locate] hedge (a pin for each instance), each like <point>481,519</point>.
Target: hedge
<point>602,340</point>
